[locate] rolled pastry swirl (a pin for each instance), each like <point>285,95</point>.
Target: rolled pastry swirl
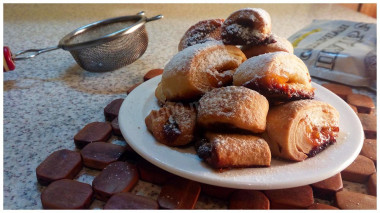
<point>301,129</point>
<point>198,69</point>
<point>234,150</point>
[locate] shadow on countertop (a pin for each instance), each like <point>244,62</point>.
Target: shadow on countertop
<point>114,82</point>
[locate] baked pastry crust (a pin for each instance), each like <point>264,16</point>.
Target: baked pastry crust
<point>201,32</point>
<point>198,69</point>
<point>173,124</point>
<point>234,150</point>
<point>279,76</point>
<point>279,44</point>
<point>247,26</point>
<point>159,94</point>
<point>233,107</point>
<point>300,129</point>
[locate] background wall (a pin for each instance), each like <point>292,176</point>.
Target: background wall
<point>368,9</point>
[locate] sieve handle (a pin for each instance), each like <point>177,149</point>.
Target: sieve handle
<point>142,13</point>
<point>33,53</point>
<point>9,59</point>
<point>154,18</point>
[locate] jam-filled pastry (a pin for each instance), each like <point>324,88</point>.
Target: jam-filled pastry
<point>173,124</point>
<point>198,69</point>
<point>300,129</point>
<point>279,76</point>
<point>279,44</point>
<point>201,32</point>
<point>249,26</point>
<point>233,107</point>
<point>234,150</point>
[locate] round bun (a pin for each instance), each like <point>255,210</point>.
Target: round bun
<point>279,76</point>
<point>247,26</point>
<point>201,32</point>
<point>198,69</point>
<point>233,107</point>
<point>279,44</point>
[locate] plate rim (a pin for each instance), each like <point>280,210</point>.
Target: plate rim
<point>218,182</point>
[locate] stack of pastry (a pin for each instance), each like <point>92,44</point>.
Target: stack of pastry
<point>240,112</point>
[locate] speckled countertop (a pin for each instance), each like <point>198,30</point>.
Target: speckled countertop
<point>47,100</point>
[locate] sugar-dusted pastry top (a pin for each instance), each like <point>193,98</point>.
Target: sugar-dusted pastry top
<point>279,44</point>
<point>201,32</point>
<point>198,69</point>
<point>234,150</point>
<point>238,107</point>
<point>173,124</point>
<point>277,75</point>
<point>246,26</point>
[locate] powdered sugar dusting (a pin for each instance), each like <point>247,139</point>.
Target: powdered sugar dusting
<point>281,44</point>
<point>251,33</point>
<point>181,62</point>
<point>236,106</point>
<point>203,31</point>
<point>210,63</point>
<point>275,64</point>
<point>182,59</point>
<point>243,32</point>
<point>253,13</point>
<point>264,14</point>
<point>241,150</point>
<point>182,115</point>
<point>226,101</point>
<point>253,68</point>
<point>240,144</point>
<point>203,66</point>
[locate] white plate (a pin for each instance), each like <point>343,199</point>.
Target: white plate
<point>281,174</point>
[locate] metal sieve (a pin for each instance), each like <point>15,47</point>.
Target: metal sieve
<point>101,46</point>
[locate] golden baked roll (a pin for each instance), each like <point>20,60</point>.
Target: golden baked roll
<point>279,44</point>
<point>247,26</point>
<point>300,129</point>
<point>234,150</point>
<point>201,32</point>
<point>233,107</point>
<point>159,94</point>
<point>173,124</point>
<point>198,69</point>
<point>279,76</point>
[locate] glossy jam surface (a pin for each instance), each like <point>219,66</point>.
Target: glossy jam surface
<point>277,89</point>
<point>321,138</point>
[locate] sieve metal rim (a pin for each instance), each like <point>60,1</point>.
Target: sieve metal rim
<point>63,43</point>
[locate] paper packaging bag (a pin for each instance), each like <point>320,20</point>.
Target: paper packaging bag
<point>340,51</point>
